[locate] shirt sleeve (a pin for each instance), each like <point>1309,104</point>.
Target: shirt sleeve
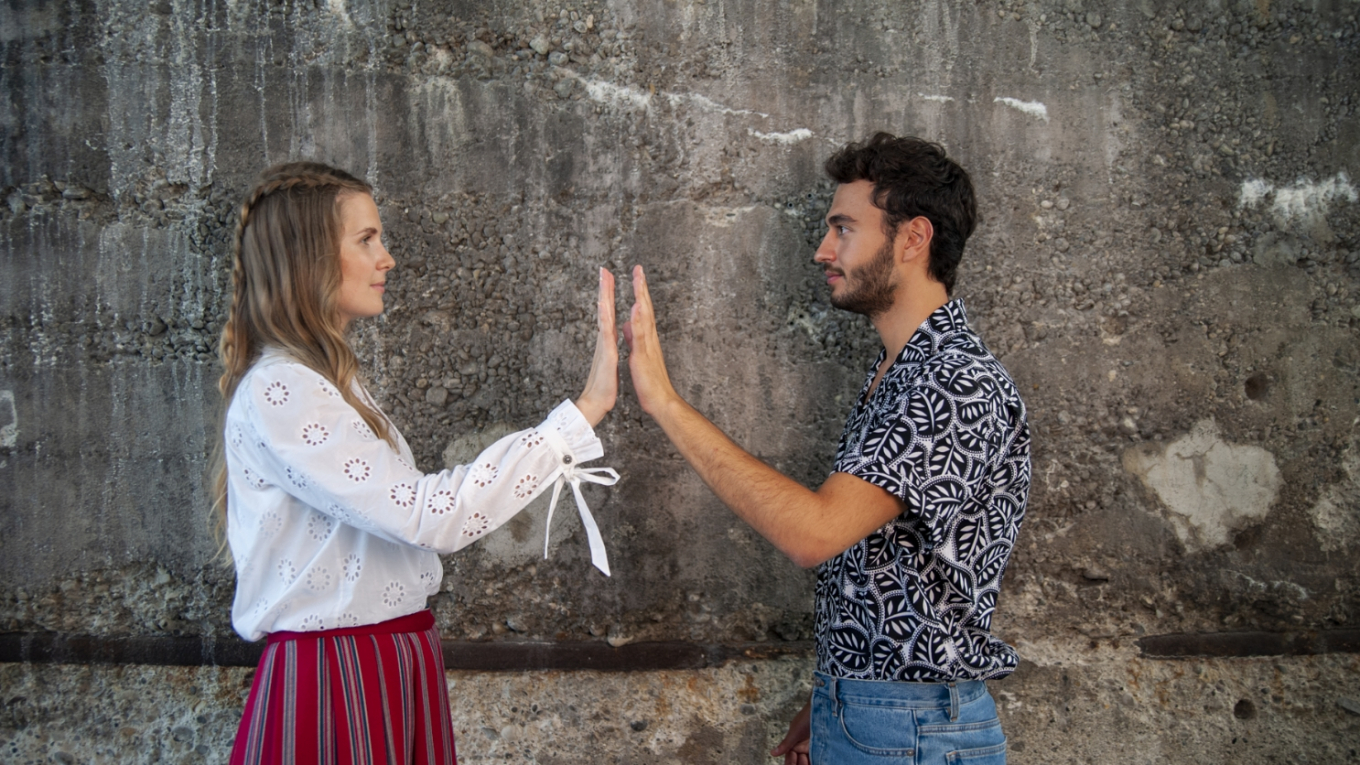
<point>315,446</point>
<point>934,450</point>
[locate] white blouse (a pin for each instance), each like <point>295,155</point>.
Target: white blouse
<point>331,527</point>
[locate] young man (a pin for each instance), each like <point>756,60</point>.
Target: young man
<point>913,529</point>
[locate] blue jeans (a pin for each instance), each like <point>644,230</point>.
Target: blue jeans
<point>877,722</point>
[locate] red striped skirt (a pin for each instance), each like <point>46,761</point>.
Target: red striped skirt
<point>371,694</point>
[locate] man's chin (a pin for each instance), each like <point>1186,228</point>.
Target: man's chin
<point>856,303</point>
<point>850,306</point>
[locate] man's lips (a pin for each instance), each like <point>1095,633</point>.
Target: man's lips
<point>833,276</point>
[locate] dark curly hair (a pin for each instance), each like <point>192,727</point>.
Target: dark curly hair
<point>913,177</point>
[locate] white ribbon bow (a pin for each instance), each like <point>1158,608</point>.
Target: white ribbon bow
<point>575,475</point>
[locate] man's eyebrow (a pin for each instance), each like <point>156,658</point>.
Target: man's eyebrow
<point>838,219</point>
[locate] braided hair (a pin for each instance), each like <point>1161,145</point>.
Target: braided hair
<point>285,280</point>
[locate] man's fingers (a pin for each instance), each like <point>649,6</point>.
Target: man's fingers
<point>642,298</point>
<point>628,334</point>
<point>797,741</point>
<point>789,743</point>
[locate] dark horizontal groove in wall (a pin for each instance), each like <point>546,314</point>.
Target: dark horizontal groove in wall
<point>1230,644</point>
<point>509,656</point>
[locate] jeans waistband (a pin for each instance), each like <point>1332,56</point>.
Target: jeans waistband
<point>901,694</point>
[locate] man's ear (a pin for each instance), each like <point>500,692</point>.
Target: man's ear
<point>913,239</point>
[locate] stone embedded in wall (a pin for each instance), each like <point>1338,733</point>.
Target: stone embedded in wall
<point>1210,487</point>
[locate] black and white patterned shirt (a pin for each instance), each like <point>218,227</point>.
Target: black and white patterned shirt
<point>945,432</point>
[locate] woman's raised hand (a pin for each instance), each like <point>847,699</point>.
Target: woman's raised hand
<point>602,386</point>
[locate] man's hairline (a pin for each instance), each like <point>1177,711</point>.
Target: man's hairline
<point>891,233</point>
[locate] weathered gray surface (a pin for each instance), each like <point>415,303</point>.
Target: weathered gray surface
<point>1112,708</point>
<point>1167,265</point>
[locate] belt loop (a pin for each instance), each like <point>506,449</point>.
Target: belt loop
<point>833,688</point>
<point>953,702</point>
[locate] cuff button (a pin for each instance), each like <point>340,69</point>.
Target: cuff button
<point>566,459</point>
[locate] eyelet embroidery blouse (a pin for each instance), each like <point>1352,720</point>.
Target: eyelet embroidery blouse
<point>331,527</point>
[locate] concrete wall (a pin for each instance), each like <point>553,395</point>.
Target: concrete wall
<point>1167,264</point>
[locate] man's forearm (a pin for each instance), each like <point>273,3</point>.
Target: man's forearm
<point>788,514</point>
<point>807,526</point>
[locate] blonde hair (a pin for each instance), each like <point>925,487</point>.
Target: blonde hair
<point>285,280</point>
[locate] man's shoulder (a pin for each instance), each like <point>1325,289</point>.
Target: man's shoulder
<point>962,364</point>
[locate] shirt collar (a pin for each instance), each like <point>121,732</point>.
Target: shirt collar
<point>942,324</point>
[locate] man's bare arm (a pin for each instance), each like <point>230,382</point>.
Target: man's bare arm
<point>808,526</point>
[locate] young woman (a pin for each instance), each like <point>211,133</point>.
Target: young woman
<point>334,534</point>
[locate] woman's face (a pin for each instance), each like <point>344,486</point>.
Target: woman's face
<point>364,261</point>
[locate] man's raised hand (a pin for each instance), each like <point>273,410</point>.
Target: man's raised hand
<point>650,380</point>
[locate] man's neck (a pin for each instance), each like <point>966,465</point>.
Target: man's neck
<point>915,304</point>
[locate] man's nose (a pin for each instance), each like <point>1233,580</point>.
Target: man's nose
<point>825,252</point>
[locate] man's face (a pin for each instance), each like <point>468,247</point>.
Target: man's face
<point>855,254</point>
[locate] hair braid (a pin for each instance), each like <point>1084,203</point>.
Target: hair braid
<point>285,275</point>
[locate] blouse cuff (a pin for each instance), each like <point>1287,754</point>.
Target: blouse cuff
<point>568,422</point>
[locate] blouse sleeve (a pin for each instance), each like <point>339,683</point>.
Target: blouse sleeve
<point>315,446</point>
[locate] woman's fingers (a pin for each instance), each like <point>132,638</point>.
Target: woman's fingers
<point>606,307</point>
<point>602,383</point>
<point>606,341</point>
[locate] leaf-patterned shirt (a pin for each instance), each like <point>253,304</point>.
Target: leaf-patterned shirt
<point>945,432</point>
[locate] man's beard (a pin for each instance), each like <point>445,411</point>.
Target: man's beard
<point>870,288</point>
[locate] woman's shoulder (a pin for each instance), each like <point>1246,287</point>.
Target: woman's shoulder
<point>276,378</point>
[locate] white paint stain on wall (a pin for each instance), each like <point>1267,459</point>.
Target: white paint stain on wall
<point>935,99</point>
<point>1032,108</point>
<point>1336,514</point>
<point>618,95</point>
<point>607,92</point>
<point>708,104</point>
<point>1302,199</point>
<point>793,136</point>
<point>337,7</point>
<point>9,420</point>
<point>1210,487</point>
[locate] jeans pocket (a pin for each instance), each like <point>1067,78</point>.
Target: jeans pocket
<point>879,730</point>
<point>987,755</point>
<point>974,743</point>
